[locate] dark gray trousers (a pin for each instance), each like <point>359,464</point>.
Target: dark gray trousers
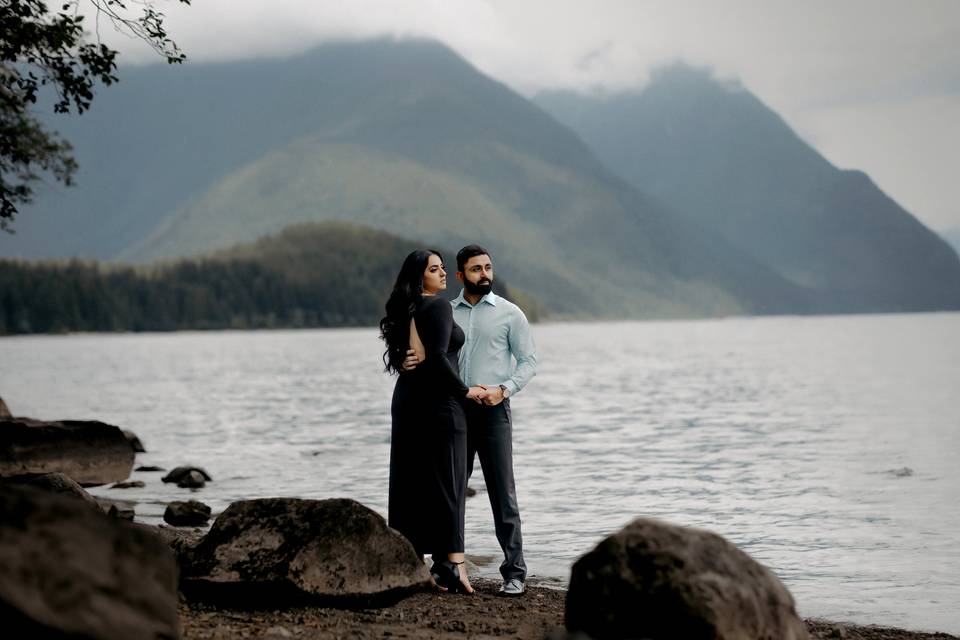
<point>490,437</point>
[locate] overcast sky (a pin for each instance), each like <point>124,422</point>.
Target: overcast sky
<point>872,84</point>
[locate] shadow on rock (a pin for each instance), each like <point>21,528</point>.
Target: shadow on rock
<point>659,581</point>
<point>67,570</point>
<point>287,552</point>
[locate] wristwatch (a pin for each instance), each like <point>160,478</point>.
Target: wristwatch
<point>506,392</point>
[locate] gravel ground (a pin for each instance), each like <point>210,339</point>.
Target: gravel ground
<point>538,614</point>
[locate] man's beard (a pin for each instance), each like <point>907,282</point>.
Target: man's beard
<point>481,288</point>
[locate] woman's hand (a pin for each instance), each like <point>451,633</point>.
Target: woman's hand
<point>411,361</point>
<point>477,394</point>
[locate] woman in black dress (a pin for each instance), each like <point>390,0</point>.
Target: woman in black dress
<point>428,442</point>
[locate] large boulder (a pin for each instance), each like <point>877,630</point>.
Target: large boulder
<point>67,570</point>
<point>283,551</point>
<point>659,581</point>
<point>90,452</point>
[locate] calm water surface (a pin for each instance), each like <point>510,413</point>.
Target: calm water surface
<point>825,447</point>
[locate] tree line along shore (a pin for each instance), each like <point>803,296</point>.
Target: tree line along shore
<point>310,275</point>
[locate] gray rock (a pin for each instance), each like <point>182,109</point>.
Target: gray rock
<point>134,441</point>
<point>659,581</point>
<point>91,453</point>
<point>121,513</point>
<point>68,571</point>
<point>284,551</point>
<point>178,539</point>
<point>186,514</point>
<point>193,480</point>
<point>60,484</point>
<point>120,509</point>
<point>180,473</point>
<point>130,484</point>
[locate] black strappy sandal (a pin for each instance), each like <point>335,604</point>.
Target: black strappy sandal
<point>435,579</point>
<point>447,575</point>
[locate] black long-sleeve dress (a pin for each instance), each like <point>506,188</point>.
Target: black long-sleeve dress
<point>428,443</point>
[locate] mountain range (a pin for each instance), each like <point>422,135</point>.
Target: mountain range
<point>952,236</point>
<point>407,137</point>
<point>717,153</point>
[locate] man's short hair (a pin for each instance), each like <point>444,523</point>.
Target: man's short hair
<point>469,251</point>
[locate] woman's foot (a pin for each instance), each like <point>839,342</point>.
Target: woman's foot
<point>450,577</point>
<point>465,586</point>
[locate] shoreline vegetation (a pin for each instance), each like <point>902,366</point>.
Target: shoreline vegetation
<point>329,274</point>
<point>310,275</point>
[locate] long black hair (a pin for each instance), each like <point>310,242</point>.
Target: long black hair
<point>395,326</point>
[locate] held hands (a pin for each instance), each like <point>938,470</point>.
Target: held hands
<point>477,394</point>
<point>490,395</point>
<point>493,396</point>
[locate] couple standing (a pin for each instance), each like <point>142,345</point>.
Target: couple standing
<point>458,363</point>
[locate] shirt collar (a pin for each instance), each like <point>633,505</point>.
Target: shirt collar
<point>490,298</point>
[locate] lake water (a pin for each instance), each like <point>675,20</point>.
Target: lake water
<point>826,447</point>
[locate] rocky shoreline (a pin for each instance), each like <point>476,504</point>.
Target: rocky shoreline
<point>538,615</point>
<point>71,565</point>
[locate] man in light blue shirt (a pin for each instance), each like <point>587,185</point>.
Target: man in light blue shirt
<point>498,354</point>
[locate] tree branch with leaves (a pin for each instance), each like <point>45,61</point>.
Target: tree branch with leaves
<point>40,47</point>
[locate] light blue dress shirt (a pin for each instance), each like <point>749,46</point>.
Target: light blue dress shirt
<point>496,334</point>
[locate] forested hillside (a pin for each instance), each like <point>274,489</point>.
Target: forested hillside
<point>310,275</point>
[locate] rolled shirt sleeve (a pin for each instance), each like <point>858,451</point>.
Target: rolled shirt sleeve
<point>523,350</point>
<point>499,348</point>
